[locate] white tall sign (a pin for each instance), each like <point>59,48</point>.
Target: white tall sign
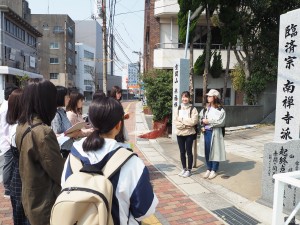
<point>287,122</point>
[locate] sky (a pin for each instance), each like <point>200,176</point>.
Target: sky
<point>129,24</point>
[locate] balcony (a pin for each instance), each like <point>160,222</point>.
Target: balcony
<point>166,55</point>
<point>166,8</point>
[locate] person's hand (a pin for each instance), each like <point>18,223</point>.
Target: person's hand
<point>75,134</point>
<point>205,121</point>
<point>126,116</point>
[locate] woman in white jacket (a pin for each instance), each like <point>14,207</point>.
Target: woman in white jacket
<point>211,145</point>
<point>133,197</point>
<point>186,117</point>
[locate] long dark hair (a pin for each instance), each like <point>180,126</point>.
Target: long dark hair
<point>39,100</point>
<point>62,92</point>
<point>114,91</point>
<point>74,98</point>
<point>14,106</point>
<point>104,114</point>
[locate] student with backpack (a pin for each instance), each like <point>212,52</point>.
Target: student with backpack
<point>185,119</point>
<point>211,145</point>
<point>133,198</point>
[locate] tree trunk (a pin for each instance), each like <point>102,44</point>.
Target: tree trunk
<point>243,62</point>
<point>207,56</point>
<point>226,73</point>
<point>191,86</point>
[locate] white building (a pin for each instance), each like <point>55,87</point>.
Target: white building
<point>162,48</point>
<point>86,79</point>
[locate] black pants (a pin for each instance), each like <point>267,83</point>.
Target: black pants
<point>186,146</point>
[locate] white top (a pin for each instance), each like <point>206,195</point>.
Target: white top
<point>4,130</point>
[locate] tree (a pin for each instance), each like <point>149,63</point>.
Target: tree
<point>216,67</point>
<point>95,77</point>
<point>159,89</point>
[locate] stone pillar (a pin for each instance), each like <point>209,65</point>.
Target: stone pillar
<point>282,155</point>
<point>180,84</point>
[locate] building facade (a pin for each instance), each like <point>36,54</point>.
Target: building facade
<point>162,49</point>
<point>56,48</point>
<point>86,79</point>
<point>18,44</point>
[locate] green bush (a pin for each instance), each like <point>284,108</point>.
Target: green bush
<point>158,90</point>
<point>216,68</point>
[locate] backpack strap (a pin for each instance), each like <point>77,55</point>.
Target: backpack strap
<point>114,164</point>
<point>27,131</point>
<point>75,163</point>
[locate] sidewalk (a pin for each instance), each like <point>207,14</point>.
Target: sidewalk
<point>233,195</point>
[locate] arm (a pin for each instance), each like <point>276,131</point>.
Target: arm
<point>72,117</point>
<point>193,120</point>
<point>51,159</point>
<point>217,121</point>
<point>178,121</point>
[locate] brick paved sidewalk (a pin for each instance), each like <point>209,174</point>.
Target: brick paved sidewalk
<point>5,209</point>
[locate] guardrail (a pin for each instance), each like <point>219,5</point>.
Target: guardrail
<point>281,179</point>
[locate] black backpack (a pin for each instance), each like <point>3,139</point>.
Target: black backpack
<point>219,108</point>
<point>196,127</point>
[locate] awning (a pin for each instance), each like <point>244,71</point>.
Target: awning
<point>18,72</point>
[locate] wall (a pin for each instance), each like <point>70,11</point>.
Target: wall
<point>242,115</point>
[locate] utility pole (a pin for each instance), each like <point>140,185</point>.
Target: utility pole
<point>104,47</point>
<point>139,73</point>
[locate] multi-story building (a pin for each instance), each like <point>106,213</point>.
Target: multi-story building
<point>18,44</point>
<point>86,79</point>
<point>89,32</point>
<point>162,48</point>
<point>56,48</point>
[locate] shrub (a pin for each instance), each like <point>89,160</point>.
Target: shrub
<point>158,90</point>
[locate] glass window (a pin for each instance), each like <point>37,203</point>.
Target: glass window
<point>54,45</point>
<point>53,75</point>
<point>88,69</point>
<point>58,29</point>
<point>88,55</point>
<point>70,46</point>
<point>88,82</point>
<point>54,61</point>
<point>70,61</point>
<point>70,31</point>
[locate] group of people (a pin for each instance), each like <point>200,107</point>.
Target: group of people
<point>211,143</point>
<point>35,170</point>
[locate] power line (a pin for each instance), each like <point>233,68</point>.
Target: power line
<point>142,10</point>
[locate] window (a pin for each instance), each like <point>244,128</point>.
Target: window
<point>70,61</point>
<point>70,32</point>
<point>14,30</point>
<point>70,46</point>
<point>88,69</point>
<point>31,41</point>
<point>54,61</point>
<point>88,55</point>
<point>54,45</point>
<point>58,29</point>
<point>88,82</point>
<point>53,75</point>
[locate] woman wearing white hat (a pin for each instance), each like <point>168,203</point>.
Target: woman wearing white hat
<point>211,145</point>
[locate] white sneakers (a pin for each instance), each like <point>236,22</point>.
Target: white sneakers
<point>210,174</point>
<point>185,173</point>
<point>206,175</point>
<point>181,173</point>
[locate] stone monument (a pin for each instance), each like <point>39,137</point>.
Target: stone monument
<point>180,84</point>
<point>283,154</point>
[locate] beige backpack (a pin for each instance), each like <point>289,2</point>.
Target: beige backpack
<point>86,197</point>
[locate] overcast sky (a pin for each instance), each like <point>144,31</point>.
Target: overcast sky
<point>129,25</point>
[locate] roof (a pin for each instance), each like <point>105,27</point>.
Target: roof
<point>15,17</point>
<point>18,72</point>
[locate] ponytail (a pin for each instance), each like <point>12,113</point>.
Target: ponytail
<point>93,142</point>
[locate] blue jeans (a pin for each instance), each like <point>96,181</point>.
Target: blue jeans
<point>7,171</point>
<point>211,165</point>
<point>185,144</point>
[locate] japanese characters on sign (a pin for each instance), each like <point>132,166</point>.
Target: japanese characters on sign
<point>175,86</point>
<point>287,125</point>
